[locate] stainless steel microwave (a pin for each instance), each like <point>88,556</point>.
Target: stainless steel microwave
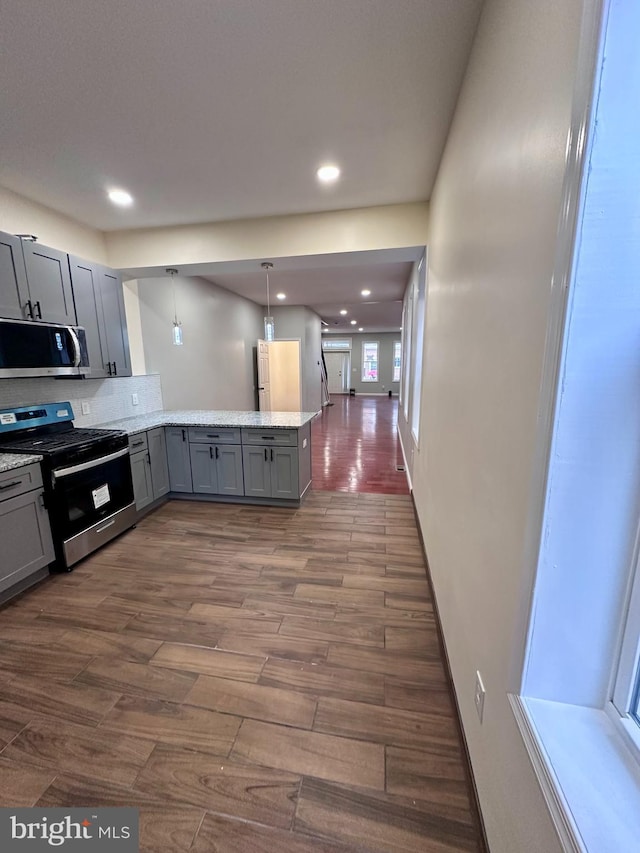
<point>42,349</point>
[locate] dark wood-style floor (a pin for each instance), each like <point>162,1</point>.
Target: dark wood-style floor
<point>253,679</point>
<point>355,446</point>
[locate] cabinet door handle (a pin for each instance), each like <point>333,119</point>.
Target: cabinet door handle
<point>217,453</point>
<point>184,436</point>
<point>109,368</point>
<point>137,443</point>
<point>213,435</point>
<point>115,369</point>
<point>39,310</point>
<point>210,452</point>
<point>268,437</point>
<point>10,485</point>
<point>272,454</point>
<point>29,308</point>
<point>266,455</point>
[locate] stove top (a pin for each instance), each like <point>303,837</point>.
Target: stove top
<point>55,442</point>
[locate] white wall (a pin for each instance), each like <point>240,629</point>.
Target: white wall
<point>494,219</point>
<point>215,369</point>
<point>20,215</point>
<point>299,322</point>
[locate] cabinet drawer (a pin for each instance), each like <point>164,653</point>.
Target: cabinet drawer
<point>138,442</point>
<point>20,480</point>
<point>213,435</point>
<point>281,437</point>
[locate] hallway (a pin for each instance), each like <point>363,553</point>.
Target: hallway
<point>355,446</point>
<point>251,678</point>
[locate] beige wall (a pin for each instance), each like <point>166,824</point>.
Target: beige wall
<point>494,221</point>
<point>297,321</point>
<point>20,215</point>
<point>362,229</point>
<point>215,369</point>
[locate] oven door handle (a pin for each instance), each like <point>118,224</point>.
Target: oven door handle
<point>77,355</point>
<point>86,466</point>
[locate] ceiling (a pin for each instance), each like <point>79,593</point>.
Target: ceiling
<point>213,110</point>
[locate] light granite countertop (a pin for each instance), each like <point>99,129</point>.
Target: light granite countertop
<point>194,417</point>
<point>9,461</point>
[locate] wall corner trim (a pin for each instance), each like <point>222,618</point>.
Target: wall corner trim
<point>567,830</point>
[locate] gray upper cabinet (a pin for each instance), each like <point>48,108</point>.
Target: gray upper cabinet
<point>49,282</point>
<point>34,282</point>
<point>14,293</point>
<point>100,309</point>
<point>178,459</point>
<point>158,462</point>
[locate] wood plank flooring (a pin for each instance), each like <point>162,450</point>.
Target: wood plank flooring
<point>252,679</point>
<point>355,448</point>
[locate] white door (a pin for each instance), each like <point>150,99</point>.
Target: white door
<point>337,372</point>
<point>264,382</point>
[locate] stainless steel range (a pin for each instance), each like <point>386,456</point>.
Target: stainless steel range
<point>86,474</point>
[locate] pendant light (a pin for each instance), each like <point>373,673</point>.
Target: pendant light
<point>269,325</point>
<point>177,325</point>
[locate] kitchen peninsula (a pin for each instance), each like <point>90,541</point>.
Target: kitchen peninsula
<point>230,456</point>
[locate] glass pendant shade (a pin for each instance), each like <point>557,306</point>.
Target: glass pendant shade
<point>177,334</point>
<point>269,329</point>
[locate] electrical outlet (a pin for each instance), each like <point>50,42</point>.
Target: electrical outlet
<point>134,399</point>
<point>304,443</point>
<point>86,409</point>
<point>479,696</point>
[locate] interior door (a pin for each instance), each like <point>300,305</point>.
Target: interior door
<point>264,381</point>
<point>336,370</point>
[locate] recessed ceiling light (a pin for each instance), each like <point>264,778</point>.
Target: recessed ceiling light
<point>281,295</point>
<point>327,174</point>
<point>344,311</point>
<point>353,322</point>
<point>120,197</point>
<point>365,292</point>
<point>361,329</point>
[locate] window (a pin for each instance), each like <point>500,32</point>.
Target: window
<point>397,360</point>
<point>418,305</point>
<point>336,344</point>
<point>370,361</point>
<point>626,693</point>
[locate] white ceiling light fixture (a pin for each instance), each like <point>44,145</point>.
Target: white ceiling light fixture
<point>177,325</point>
<point>365,292</point>
<point>269,323</point>
<point>328,173</point>
<point>353,322</point>
<point>344,311</point>
<point>361,329</point>
<point>120,197</point>
<point>281,295</point>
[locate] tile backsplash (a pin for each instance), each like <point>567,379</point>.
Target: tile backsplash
<point>109,399</point>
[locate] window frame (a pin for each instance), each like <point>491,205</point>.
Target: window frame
<point>363,378</point>
<point>397,346</point>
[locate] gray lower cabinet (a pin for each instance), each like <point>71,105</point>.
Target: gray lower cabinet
<point>100,309</point>
<point>271,472</point>
<point>178,459</point>
<point>149,467</point>
<point>217,469</point>
<point>25,533</point>
<point>157,446</point>
<point>141,475</point>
